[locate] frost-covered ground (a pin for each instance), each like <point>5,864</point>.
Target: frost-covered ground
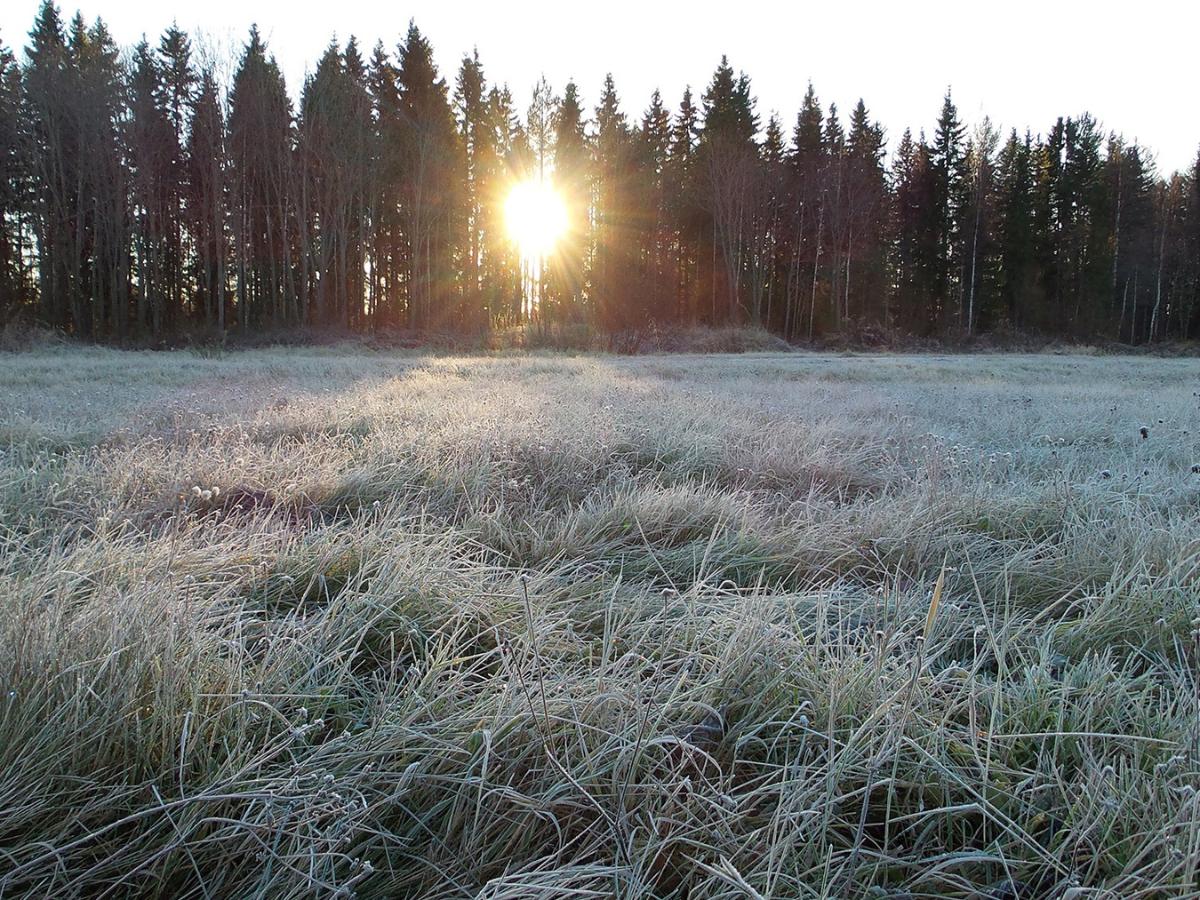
<point>293,622</point>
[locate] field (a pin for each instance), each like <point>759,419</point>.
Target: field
<point>328,622</point>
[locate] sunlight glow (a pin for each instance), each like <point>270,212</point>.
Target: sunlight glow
<point>536,218</point>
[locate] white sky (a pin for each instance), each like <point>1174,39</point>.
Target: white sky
<point>1023,62</point>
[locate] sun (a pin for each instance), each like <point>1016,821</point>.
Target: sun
<point>536,217</point>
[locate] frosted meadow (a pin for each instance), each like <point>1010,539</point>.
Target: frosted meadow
<point>325,622</point>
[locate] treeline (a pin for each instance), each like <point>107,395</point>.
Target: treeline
<point>141,196</point>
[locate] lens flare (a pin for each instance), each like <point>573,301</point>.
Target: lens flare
<point>536,217</point>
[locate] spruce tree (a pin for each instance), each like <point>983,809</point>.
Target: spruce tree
<point>612,255</point>
<point>833,176</point>
<point>728,166</point>
<point>53,144</point>
<point>1048,218</point>
<point>513,164</point>
<point>977,259</point>
<point>177,79</point>
<point>810,212</point>
<point>947,160</point>
<point>429,199</point>
<point>653,145</point>
<point>539,129</point>
<point>154,172</point>
<point>771,200</point>
<point>1083,225</point>
<point>99,270</point>
<point>384,250</point>
<point>685,218</point>
<point>144,200</point>
<point>206,201</point>
<point>567,263</point>
<point>1191,273</point>
<point>471,112</point>
<point>260,158</point>
<point>1017,250</point>
<point>13,186</point>
<point>865,287</point>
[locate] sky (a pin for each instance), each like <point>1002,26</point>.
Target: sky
<point>1021,62</point>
